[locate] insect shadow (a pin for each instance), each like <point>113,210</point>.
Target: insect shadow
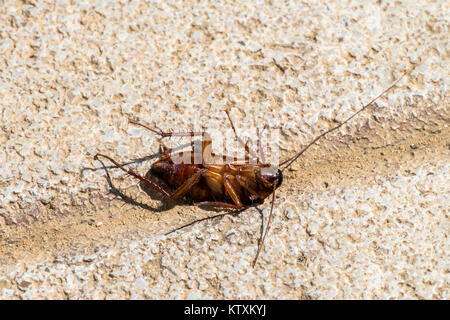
<point>166,203</point>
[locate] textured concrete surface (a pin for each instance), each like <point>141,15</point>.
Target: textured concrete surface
<point>364,214</point>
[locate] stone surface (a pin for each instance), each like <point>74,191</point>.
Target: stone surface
<point>364,214</point>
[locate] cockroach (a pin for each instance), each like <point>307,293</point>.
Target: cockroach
<point>238,184</point>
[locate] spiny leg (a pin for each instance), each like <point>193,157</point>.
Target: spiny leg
<point>245,145</point>
<point>220,204</point>
<point>194,222</point>
<point>163,134</point>
<point>179,192</point>
<point>231,192</point>
<point>205,142</point>
<point>237,205</point>
<point>248,185</point>
<point>235,213</point>
<point>188,184</point>
<point>118,193</point>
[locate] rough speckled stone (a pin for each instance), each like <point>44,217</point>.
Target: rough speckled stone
<point>73,73</point>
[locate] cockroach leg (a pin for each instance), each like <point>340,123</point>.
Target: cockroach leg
<point>206,139</point>
<point>235,213</point>
<point>132,173</point>
<point>160,133</point>
<point>179,192</point>
<point>163,134</point>
<point>188,184</point>
<point>220,204</point>
<point>195,221</point>
<point>247,185</point>
<point>237,206</point>
<point>230,190</point>
<point>163,148</point>
<point>245,145</point>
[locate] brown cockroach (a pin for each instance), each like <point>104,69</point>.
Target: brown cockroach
<point>237,185</point>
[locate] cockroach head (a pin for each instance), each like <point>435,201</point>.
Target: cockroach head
<point>270,176</point>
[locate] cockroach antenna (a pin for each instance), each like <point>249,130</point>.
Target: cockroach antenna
<point>261,242</point>
<point>291,160</point>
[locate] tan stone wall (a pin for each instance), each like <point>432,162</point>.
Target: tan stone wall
<point>364,214</point>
